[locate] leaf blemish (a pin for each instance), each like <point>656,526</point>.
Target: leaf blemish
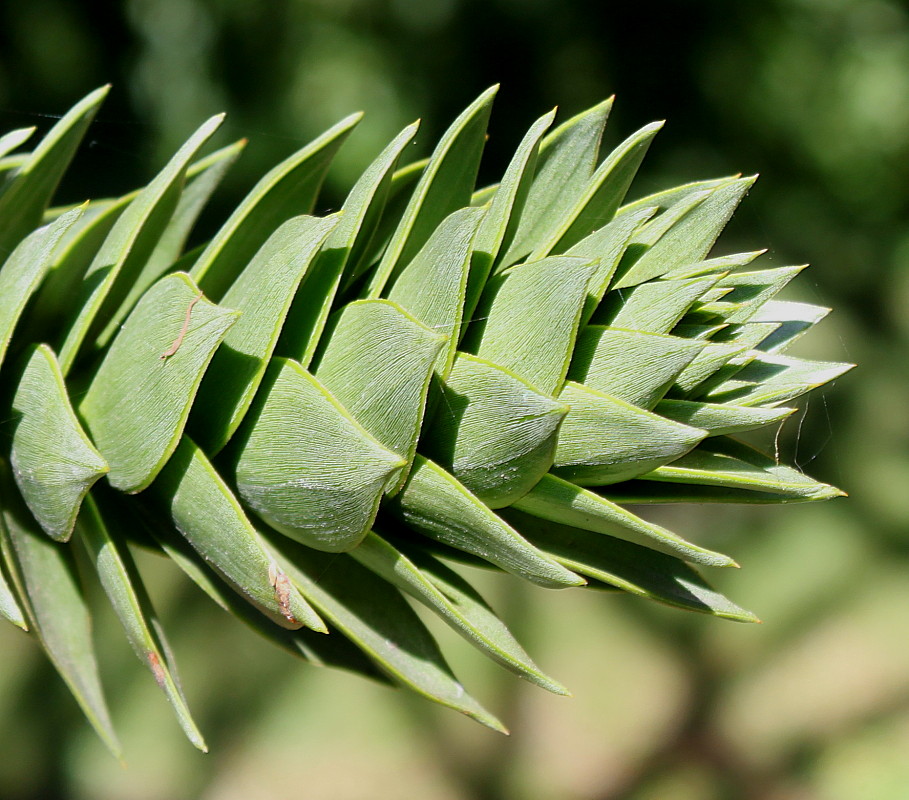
<point>281,585</point>
<point>179,340</point>
<point>157,670</point>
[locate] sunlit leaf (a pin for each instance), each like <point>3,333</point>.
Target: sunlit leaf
<point>153,368</point>
<point>435,504</point>
<point>372,613</point>
<point>54,463</point>
<point>306,466</point>
<point>127,595</point>
<point>262,294</point>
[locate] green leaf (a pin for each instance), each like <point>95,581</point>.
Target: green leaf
<point>53,461</point>
<point>691,237</point>
<point>721,264</point>
<point>306,466</point>
<point>334,650</point>
<point>606,246</point>
<point>437,505</point>
<point>9,603</point>
<point>602,196</point>
<point>606,440</point>
<point>723,462</point>
<point>451,597</point>
<point>288,190</point>
<point>262,294</point>
<point>153,368</point>
<point>72,257</point>
<point>718,419</point>
<point>444,187</point>
<point>634,366</point>
<point>372,613</point>
<point>10,141</point>
<point>559,501</point>
<point>771,379</point>
<point>400,192</point>
<point>45,578</point>
<point>647,492</point>
<point>654,307</point>
<point>637,570</point>
<point>130,601</point>
<point>131,241</point>
<point>377,362</point>
<point>677,195</point>
<point>564,168</point>
<point>712,358</point>
<point>342,253</point>
<point>750,290</point>
<point>493,431</point>
<point>527,320</point>
<point>23,201</point>
<point>225,538</point>
<point>202,178</point>
<point>22,272</point>
<point>443,264</point>
<point>795,320</point>
<point>506,205</point>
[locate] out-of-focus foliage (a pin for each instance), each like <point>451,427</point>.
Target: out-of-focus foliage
<point>811,93</point>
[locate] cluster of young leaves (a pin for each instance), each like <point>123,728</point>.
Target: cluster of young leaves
<point>312,415</point>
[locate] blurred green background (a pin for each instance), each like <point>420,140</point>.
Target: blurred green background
<point>814,703</point>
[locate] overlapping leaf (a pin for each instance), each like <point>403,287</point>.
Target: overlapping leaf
<point>438,372</point>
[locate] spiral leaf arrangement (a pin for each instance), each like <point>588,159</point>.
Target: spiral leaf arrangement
<point>313,416</point>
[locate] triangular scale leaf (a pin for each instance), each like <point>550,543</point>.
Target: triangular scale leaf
<point>527,320</point>
<point>603,195</point>
<point>795,319</point>
<point>506,206</point>
<point>225,538</point>
<point>23,201</point>
<point>13,139</point>
<point>772,379</point>
<point>606,247</point>
<point>690,239</point>
<point>57,612</point>
<point>202,178</point>
<point>451,597</point>
<point>723,462</point>
<point>559,501</point>
<point>565,165</point>
<point>372,613</point>
<point>654,307</point>
<point>444,186</point>
<point>130,242</point>
<point>53,461</point>
<point>377,362</point>
<point>634,366</point>
<point>154,375</point>
<point>262,294</point>
<point>22,272</point>
<point>719,419</point>
<point>334,650</point>
<point>606,440</point>
<point>288,190</point>
<point>435,504</point>
<point>341,254</point>
<point>130,601</point>
<point>306,466</point>
<point>635,569</point>
<point>443,264</point>
<point>493,431</point>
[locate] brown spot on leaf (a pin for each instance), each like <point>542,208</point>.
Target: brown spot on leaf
<point>157,670</point>
<point>281,585</point>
